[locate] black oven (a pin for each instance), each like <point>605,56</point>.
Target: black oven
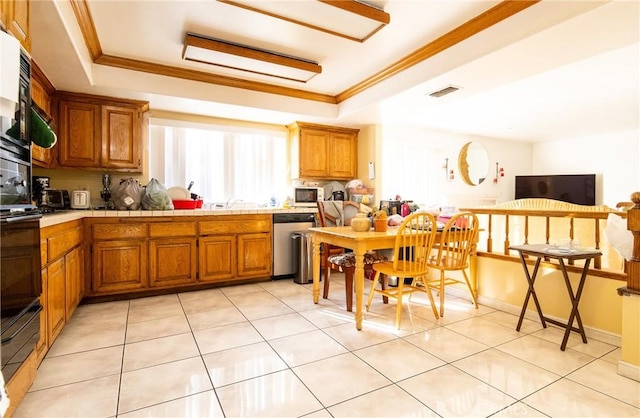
<point>21,284</point>
<point>15,144</point>
<point>20,280</point>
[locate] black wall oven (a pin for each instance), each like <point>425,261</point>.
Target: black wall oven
<point>21,285</point>
<point>15,144</point>
<point>20,280</point>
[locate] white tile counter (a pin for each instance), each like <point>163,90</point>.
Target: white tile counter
<point>71,215</point>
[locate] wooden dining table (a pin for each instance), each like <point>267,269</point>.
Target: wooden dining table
<point>360,243</point>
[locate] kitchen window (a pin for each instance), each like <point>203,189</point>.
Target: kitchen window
<point>226,163</point>
<point>413,170</point>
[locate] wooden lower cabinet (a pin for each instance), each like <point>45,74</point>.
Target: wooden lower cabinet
<point>217,257</point>
<point>43,344</point>
<point>254,255</point>
<point>119,265</point>
<point>56,294</point>
<point>74,280</point>
<point>132,255</point>
<point>172,261</point>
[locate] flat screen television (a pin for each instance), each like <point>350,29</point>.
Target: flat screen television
<point>573,188</point>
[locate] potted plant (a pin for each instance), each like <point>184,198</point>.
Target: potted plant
<point>380,220</point>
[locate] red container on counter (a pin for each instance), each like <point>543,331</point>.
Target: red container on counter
<point>187,204</point>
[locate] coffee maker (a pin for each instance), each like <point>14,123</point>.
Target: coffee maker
<point>106,191</point>
<point>39,183</point>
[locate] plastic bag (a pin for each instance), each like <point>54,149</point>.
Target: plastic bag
<point>156,197</point>
<point>128,195</point>
<point>619,236</point>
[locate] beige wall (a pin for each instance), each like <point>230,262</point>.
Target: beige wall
<point>600,306</point>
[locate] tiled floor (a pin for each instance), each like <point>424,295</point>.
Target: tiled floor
<point>267,350</point>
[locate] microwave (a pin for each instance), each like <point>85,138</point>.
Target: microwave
<point>307,196</point>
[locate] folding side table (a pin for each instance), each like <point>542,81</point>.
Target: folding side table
<point>545,251</point>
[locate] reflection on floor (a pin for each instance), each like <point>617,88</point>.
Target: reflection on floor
<point>266,350</point>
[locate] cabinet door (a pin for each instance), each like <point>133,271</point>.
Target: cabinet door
<point>254,255</point>
<point>42,346</point>
<point>119,266</point>
<point>16,17</point>
<point>79,140</point>
<point>56,294</point>
<point>40,96</point>
<point>217,258</point>
<point>41,157</point>
<point>172,261</point>
<point>313,153</point>
<point>4,11</point>
<point>341,156</point>
<point>121,137</point>
<point>74,275</point>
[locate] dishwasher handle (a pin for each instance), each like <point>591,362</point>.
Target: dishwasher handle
<point>286,218</point>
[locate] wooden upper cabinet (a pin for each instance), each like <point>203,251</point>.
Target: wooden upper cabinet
<point>121,133</point>
<point>15,15</point>
<point>41,92</point>
<point>323,152</point>
<point>314,153</point>
<point>80,142</point>
<point>100,133</point>
<point>342,155</point>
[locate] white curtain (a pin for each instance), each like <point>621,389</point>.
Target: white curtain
<point>413,170</point>
<point>225,163</point>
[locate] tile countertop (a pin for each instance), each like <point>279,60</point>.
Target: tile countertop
<point>71,215</point>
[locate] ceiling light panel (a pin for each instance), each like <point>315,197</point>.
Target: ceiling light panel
<point>225,54</point>
<point>349,19</point>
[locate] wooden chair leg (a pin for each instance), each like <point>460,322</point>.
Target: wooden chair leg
<point>348,287</point>
<point>383,283</point>
<point>327,274</point>
<point>473,296</point>
<point>441,293</point>
<point>399,302</point>
<point>371,292</point>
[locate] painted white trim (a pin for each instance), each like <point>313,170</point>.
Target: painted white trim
<point>629,370</point>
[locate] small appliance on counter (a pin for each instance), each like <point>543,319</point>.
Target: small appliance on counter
<point>338,195</point>
<point>393,207</point>
<point>80,199</point>
<point>307,196</point>
<point>47,199</point>
<point>105,194</point>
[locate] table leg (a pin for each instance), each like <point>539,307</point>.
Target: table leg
<point>358,278</point>
<point>575,300</point>
<point>316,269</point>
<point>531,278</point>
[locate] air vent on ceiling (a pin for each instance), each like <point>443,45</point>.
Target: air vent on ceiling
<point>444,91</point>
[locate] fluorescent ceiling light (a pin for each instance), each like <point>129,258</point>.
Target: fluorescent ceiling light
<point>349,19</point>
<point>225,54</point>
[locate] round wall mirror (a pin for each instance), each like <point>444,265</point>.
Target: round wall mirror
<point>473,162</point>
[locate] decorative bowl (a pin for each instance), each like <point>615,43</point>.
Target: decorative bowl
<point>360,223</point>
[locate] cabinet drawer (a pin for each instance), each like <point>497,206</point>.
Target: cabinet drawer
<point>236,226</point>
<point>61,243</point>
<point>172,229</point>
<point>119,231</point>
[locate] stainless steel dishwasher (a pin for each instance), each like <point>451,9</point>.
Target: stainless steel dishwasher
<point>284,224</point>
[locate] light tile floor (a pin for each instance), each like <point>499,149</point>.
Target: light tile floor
<point>265,350</point>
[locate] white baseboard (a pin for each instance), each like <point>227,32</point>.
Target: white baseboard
<point>629,370</point>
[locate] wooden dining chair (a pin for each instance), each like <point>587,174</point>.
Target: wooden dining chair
<point>336,258</point>
<point>454,248</point>
<point>413,245</point>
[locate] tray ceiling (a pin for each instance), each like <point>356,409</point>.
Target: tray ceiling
<point>380,70</point>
